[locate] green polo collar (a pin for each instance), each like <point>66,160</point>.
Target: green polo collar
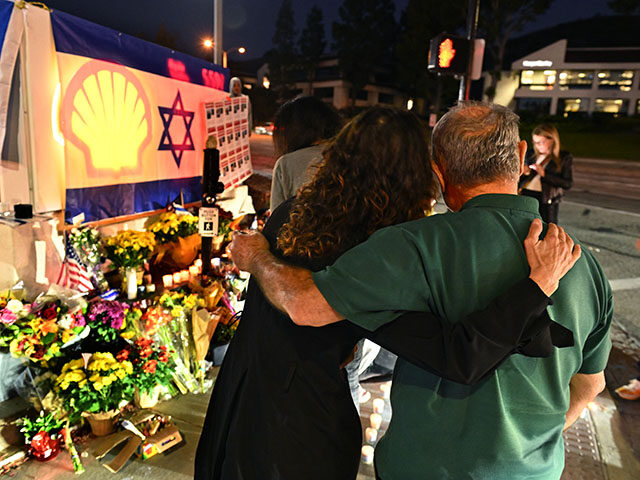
<point>504,201</point>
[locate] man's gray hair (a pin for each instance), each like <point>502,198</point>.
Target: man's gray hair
<point>477,142</point>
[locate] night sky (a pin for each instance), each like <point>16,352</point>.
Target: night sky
<point>249,23</point>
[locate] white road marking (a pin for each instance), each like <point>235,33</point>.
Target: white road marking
<point>625,284</point>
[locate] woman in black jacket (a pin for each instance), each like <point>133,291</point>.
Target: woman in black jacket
<point>548,171</point>
<point>281,408</point>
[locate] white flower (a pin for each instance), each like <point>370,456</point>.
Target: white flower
<point>65,322</point>
<point>15,306</point>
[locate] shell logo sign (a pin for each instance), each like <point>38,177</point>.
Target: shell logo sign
<point>106,114</point>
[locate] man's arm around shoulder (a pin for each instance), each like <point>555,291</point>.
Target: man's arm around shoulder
<point>288,288</point>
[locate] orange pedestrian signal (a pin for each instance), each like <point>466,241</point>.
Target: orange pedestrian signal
<point>448,54</point>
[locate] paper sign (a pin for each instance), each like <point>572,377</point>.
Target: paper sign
<point>208,221</point>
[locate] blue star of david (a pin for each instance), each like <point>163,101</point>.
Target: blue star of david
<point>166,142</point>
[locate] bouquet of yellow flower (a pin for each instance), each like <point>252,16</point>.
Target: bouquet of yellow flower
<point>177,237</point>
<point>129,248</point>
<point>169,226</point>
<point>100,387</point>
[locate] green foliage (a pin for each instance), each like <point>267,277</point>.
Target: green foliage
<point>312,41</point>
<point>48,423</point>
<point>283,57</point>
<point>627,7</point>
<point>499,21</point>
<point>363,38</point>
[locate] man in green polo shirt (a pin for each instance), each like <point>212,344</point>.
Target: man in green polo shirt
<point>509,426</point>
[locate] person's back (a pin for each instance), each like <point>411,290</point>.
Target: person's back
<point>509,426</point>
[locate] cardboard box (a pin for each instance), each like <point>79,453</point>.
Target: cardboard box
<point>160,442</point>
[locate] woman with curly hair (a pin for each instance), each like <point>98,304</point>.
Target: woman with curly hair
<point>281,406</point>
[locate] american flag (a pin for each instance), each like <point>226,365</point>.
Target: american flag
<point>74,274</point>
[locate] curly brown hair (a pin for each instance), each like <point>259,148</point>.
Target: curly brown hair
<point>374,173</point>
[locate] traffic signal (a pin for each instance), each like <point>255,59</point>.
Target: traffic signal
<point>448,54</point>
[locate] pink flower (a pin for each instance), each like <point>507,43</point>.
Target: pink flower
<point>8,317</point>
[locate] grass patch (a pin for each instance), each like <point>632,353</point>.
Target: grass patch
<point>598,137</point>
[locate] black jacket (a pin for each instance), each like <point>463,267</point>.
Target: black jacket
<point>555,181</point>
<point>281,408</point>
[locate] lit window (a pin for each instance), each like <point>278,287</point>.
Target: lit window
<point>537,79</point>
<point>575,80</point>
<point>611,105</point>
<point>567,106</point>
<point>616,80</point>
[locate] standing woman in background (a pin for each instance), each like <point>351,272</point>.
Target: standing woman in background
<point>548,171</point>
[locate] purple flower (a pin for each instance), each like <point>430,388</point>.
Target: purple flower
<point>108,313</point>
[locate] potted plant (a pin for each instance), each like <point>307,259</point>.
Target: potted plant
<point>152,367</point>
<point>128,250</point>
<point>44,436</point>
<point>97,390</point>
<point>177,239</point>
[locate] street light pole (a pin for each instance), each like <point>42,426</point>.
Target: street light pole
<point>217,31</point>
<point>472,28</point>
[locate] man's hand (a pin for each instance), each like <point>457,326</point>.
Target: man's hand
<point>551,258</point>
<point>245,249</point>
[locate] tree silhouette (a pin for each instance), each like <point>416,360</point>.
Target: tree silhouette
<point>627,7</point>
<point>363,38</point>
<point>282,58</point>
<point>312,43</point>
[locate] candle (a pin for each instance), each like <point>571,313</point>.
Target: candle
<point>378,405</point>
<point>193,271</point>
<point>375,419</point>
<point>215,262</point>
<point>132,284</point>
<point>176,278</point>
<point>184,275</point>
<point>386,389</point>
<point>198,262</point>
<point>371,434</point>
<point>167,281</point>
<point>367,454</point>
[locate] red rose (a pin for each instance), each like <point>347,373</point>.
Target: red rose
<point>49,313</point>
<point>150,366</point>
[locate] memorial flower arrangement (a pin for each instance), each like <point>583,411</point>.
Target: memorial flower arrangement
<point>152,364</point>
<point>129,248</point>
<point>86,242</point>
<point>107,319</point>
<point>38,332</point>
<point>169,226</point>
<point>99,387</point>
<point>44,435</point>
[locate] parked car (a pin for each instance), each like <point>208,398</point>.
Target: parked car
<point>266,129</point>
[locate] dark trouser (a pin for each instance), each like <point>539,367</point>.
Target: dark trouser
<point>548,211</point>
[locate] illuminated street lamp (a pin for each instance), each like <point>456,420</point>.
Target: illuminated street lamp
<point>240,50</point>
<point>266,83</point>
<point>208,43</point>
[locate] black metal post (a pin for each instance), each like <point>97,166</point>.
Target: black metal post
<point>472,28</point>
<point>210,176</point>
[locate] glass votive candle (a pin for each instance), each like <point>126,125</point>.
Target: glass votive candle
<point>367,454</point>
<point>177,278</point>
<point>184,275</point>
<point>167,281</point>
<point>378,405</point>
<point>375,419</point>
<point>198,262</point>
<point>193,271</point>
<point>385,388</point>
<point>370,434</point>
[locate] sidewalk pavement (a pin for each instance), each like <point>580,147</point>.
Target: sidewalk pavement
<point>603,445</point>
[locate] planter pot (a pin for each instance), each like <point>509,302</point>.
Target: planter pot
<point>146,399</point>
<point>179,254</point>
<point>219,351</point>
<point>102,423</point>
